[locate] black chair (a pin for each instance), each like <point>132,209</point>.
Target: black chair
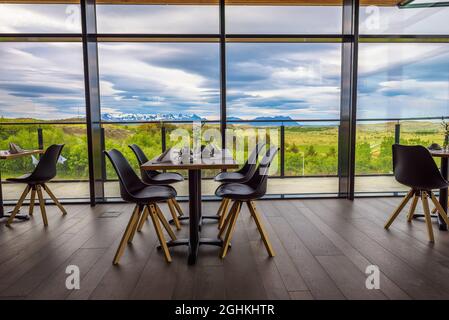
<point>145,197</point>
<point>35,181</point>
<point>247,192</point>
<point>414,167</point>
<point>240,176</point>
<point>153,177</point>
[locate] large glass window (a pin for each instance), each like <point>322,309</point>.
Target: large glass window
<point>159,19</point>
<point>42,101</point>
<point>283,18</point>
<point>407,84</point>
<point>40,18</point>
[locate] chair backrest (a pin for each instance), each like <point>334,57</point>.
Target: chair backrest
<point>129,181</point>
<point>46,167</point>
<point>414,166</point>
<point>140,155</point>
<point>142,158</point>
<point>250,165</point>
<point>260,178</point>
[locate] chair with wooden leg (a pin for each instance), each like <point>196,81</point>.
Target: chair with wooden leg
<point>154,177</point>
<point>36,181</point>
<point>240,176</point>
<point>414,167</point>
<point>247,193</point>
<point>146,198</point>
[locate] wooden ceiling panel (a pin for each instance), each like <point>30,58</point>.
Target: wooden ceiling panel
<point>211,2</point>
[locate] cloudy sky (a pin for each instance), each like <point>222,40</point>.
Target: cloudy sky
<point>300,80</point>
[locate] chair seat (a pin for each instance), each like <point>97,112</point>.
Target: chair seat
<point>22,179</point>
<point>153,194</point>
<point>163,178</point>
<point>236,191</point>
<point>435,184</point>
<point>228,177</point>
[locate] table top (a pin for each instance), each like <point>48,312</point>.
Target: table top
<point>439,153</point>
<point>4,154</point>
<point>220,161</point>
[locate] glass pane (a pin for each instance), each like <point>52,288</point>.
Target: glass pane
<point>158,19</point>
<point>403,80</point>
<point>397,81</point>
<point>72,176</point>
<point>283,19</point>
<point>397,20</point>
<point>283,81</point>
<point>41,81</point>
<point>40,18</point>
<point>159,81</point>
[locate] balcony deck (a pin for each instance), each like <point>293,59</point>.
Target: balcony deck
<point>299,186</point>
<point>322,250</point>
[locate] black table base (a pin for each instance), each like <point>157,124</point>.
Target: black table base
<point>195,219</point>
<point>443,193</point>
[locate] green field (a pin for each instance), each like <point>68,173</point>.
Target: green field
<point>310,150</point>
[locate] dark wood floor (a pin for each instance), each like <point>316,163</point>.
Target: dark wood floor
<point>323,248</point>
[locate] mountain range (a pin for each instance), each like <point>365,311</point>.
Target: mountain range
<point>257,121</point>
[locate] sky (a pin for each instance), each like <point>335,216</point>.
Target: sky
<point>300,80</point>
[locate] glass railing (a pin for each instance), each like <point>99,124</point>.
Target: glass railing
<point>308,156</point>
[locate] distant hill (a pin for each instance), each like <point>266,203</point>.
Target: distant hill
<point>149,117</point>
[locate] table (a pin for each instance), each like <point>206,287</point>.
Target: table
<point>195,215</point>
<point>444,155</point>
<point>5,155</point>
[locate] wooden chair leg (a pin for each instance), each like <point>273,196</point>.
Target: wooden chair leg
<point>228,219</point>
<point>165,222</point>
<point>32,200</point>
<point>18,205</point>
<point>412,208</point>
<point>42,204</point>
<point>159,233</point>
<point>177,206</point>
<point>121,248</point>
<point>230,230</point>
<point>223,213</point>
<point>171,206</point>
<point>260,227</point>
<point>140,213</point>
<point>399,209</point>
<point>220,208</point>
<point>440,209</point>
<point>143,218</point>
<point>427,215</point>
<point>55,200</point>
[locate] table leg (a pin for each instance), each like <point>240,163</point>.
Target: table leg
<point>443,193</point>
<point>194,213</point>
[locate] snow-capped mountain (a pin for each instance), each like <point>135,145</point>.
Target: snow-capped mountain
<point>149,117</point>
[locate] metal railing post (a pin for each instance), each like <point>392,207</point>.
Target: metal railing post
<point>282,150</point>
<point>163,137</point>
<point>40,140</point>
<point>397,133</point>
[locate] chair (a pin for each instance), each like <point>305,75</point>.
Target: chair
<point>36,181</point>
<point>246,192</point>
<point>145,197</point>
<point>241,176</point>
<point>153,177</point>
<point>414,167</point>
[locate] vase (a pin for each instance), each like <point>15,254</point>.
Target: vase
<point>446,142</point>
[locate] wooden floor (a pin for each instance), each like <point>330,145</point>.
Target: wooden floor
<point>322,250</point>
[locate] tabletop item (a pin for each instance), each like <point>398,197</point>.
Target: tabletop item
<point>435,146</point>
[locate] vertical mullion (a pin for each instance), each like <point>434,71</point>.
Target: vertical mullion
<point>348,106</point>
<point>222,73</point>
<point>92,93</point>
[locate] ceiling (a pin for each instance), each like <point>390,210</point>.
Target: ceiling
<point>209,2</point>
